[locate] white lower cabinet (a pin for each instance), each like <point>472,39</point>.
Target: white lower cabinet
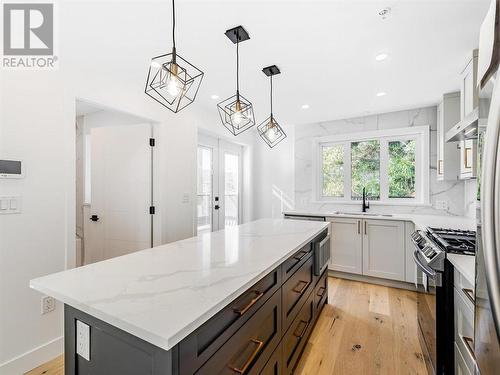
<point>370,247</point>
<point>384,249</point>
<point>346,245</point>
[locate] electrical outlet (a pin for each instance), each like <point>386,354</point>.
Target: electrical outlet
<point>48,304</point>
<point>441,205</point>
<point>83,340</point>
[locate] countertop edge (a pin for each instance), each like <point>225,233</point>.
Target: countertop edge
<point>174,339</point>
<point>461,263</point>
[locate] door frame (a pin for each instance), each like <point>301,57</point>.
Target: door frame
<point>219,146</point>
<point>71,261</point>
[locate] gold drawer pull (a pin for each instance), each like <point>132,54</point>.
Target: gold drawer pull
<point>258,295</point>
<point>299,258</point>
<point>243,369</point>
<point>299,290</point>
<point>321,292</point>
<point>469,344</point>
<point>303,330</point>
<point>470,294</point>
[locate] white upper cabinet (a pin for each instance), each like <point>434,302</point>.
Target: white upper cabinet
<point>468,86</point>
<point>469,101</point>
<point>448,115</point>
<point>468,161</point>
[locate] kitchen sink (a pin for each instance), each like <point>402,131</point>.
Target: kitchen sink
<point>361,214</point>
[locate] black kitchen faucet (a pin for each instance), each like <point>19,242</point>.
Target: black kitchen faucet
<point>366,204</point>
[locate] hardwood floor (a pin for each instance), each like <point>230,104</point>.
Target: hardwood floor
<point>365,329</point>
<point>54,367</point>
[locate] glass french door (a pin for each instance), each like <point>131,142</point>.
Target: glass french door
<point>218,184</point>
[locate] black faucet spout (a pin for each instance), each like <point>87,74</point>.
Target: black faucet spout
<point>366,204</point>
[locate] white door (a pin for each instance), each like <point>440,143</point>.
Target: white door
<point>346,254</point>
<point>121,168</point>
<point>384,249</point>
<point>218,184</point>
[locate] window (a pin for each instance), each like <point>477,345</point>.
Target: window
<point>365,169</point>
<point>402,169</point>
<point>391,165</point>
<point>333,171</point>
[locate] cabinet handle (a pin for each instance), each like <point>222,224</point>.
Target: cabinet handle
<point>365,227</point>
<point>469,344</point>
<point>359,225</point>
<point>467,151</point>
<point>321,292</point>
<point>258,295</point>
<point>470,294</point>
<point>299,258</point>
<point>302,331</point>
<point>299,290</point>
<point>243,369</point>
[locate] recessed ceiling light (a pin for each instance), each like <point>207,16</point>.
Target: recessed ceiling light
<point>305,106</point>
<point>214,96</point>
<point>381,93</point>
<point>381,56</point>
<point>384,13</point>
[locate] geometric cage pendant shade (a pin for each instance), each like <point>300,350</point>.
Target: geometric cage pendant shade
<point>269,130</point>
<point>173,81</point>
<point>236,112</point>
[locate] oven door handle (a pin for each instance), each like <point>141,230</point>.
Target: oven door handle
<point>429,272</point>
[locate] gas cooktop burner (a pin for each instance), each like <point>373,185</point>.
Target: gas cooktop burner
<point>455,240</point>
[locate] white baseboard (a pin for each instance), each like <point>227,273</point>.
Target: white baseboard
<point>33,358</point>
<point>372,280</point>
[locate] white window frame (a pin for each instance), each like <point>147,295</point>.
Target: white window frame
<point>421,136</point>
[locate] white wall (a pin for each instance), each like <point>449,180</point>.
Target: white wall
<point>274,177</point>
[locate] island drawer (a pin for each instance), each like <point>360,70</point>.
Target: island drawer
<point>199,346</point>
<point>320,292</point>
<point>295,338</point>
<point>293,263</point>
<point>295,291</point>
<point>275,365</point>
<point>249,349</point>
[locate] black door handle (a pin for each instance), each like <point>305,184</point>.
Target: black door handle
<point>216,207</point>
<point>94,218</point>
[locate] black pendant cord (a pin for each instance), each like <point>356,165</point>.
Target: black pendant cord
<point>271,98</point>
<point>173,23</point>
<point>238,70</point>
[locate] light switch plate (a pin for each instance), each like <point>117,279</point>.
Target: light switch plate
<point>10,204</point>
<point>83,340</point>
<point>185,198</point>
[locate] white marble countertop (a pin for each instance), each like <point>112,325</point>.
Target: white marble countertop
<point>465,264</point>
<point>163,294</point>
<point>420,221</point>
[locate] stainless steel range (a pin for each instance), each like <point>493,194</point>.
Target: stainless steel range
<point>435,297</point>
<point>455,241</point>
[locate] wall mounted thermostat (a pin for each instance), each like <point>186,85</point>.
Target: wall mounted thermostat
<point>11,168</point>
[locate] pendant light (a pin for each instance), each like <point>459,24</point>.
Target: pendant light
<point>236,112</point>
<point>172,81</point>
<point>270,131</point>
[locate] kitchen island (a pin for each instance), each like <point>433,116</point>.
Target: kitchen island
<point>241,300</point>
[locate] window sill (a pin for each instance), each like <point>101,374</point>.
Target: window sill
<point>373,203</point>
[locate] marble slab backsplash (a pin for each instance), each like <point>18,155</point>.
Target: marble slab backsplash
<point>459,195</point>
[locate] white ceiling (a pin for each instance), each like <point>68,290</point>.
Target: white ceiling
<point>325,49</point>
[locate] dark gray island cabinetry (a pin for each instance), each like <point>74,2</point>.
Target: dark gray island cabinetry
<point>261,329</point>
